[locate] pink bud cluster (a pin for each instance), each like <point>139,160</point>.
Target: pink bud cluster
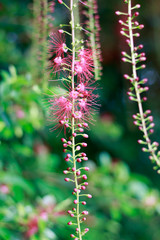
<point>77,174</point>
<point>142,119</point>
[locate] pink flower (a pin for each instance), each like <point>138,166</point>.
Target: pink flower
<point>80,87</point>
<point>85,53</point>
<point>78,115</point>
<point>73,94</point>
<point>87,99</point>
<point>58,45</point>
<point>82,103</point>
<point>44,215</point>
<point>61,109</point>
<point>20,114</point>
<point>32,226</point>
<point>56,64</point>
<point>61,100</point>
<point>57,50</point>
<point>84,66</point>
<point>59,63</point>
<point>4,189</point>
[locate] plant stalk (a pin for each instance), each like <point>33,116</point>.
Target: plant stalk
<point>73,110</point>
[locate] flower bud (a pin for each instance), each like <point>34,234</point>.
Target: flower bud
<point>69,223</point>
<point>89,196</point>
<point>67,179</point>
<point>84,177</point>
<point>75,201</point>
<point>85,124</point>
<point>85,135</point>
<point>79,160</point>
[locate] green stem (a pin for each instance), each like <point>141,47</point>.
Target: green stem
<point>77,20</point>
<point>35,39</point>
<point>44,43</point>
<point>93,40</point>
<point>73,120</point>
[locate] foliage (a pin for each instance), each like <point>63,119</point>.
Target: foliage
<point>33,195</point>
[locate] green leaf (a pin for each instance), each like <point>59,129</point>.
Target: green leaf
<point>4,234</point>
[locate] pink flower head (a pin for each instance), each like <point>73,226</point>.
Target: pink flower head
<point>85,53</point>
<point>73,94</point>
<point>61,109</point>
<point>60,64</point>
<point>61,100</point>
<point>68,106</point>
<point>84,65</point>
<point>58,60</point>
<point>58,45</point>
<point>82,103</point>
<point>81,87</point>
<point>78,115</point>
<point>57,64</point>
<point>87,99</point>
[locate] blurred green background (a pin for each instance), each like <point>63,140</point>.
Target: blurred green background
<point>125,188</point>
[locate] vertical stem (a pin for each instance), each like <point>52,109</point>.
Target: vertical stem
<point>73,120</point>
<point>134,72</point>
<point>35,37</point>
<point>40,10</point>
<point>44,42</point>
<point>93,40</point>
<point>156,29</point>
<point>76,13</point>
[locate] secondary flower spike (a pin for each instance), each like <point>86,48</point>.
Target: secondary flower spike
<point>136,57</point>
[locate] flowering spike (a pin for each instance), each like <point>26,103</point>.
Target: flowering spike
<point>142,120</point>
<point>73,107</point>
<point>93,29</point>
<point>43,24</point>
